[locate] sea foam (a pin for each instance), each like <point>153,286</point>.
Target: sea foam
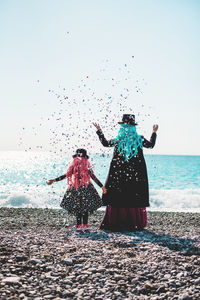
<point>160,200</point>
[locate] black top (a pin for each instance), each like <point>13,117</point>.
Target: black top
<point>91,173</point>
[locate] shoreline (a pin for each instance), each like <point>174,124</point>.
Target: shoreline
<point>43,257</point>
<point>102,209</point>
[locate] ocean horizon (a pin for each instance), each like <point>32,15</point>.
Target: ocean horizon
<point>174,180</point>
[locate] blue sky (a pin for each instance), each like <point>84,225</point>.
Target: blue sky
<point>150,48</point>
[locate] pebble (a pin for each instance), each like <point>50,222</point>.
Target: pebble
<point>158,263</point>
<point>35,261</point>
<point>197,281</point>
<point>68,282</point>
<point>11,280</point>
<point>167,276</point>
<point>67,294</point>
<point>184,297</point>
<point>68,262</point>
<point>21,258</point>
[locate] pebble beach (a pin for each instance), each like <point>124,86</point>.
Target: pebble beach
<point>43,257</point>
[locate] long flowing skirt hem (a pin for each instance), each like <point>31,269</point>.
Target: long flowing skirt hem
<point>124,219</point>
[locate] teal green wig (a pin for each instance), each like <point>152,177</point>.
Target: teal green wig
<point>128,141</point>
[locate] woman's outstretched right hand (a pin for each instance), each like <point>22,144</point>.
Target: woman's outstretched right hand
<point>50,181</point>
<point>97,126</point>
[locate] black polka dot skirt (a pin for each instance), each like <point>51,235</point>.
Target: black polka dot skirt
<point>82,200</point>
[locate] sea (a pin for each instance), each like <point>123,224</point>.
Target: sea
<point>174,180</point>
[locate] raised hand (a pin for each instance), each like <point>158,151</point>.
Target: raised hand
<point>97,126</point>
<point>50,181</point>
<point>155,127</point>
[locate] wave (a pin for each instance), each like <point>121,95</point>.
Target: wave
<point>187,200</point>
<point>40,197</point>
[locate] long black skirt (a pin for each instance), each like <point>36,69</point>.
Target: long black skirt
<point>80,201</point>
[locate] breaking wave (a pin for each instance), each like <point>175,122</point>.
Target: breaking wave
<point>187,200</point>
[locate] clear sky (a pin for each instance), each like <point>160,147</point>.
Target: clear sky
<point>99,58</point>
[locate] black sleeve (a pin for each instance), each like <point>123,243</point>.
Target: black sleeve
<point>96,180</point>
<point>60,178</point>
<point>151,143</point>
<point>103,140</point>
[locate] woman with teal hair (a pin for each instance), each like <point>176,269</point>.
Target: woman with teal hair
<point>127,183</point>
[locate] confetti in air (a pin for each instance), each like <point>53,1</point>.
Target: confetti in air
<point>103,99</point>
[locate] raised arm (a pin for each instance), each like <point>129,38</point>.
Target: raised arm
<point>103,140</point>
<point>151,143</point>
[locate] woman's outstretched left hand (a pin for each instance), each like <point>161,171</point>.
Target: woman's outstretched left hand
<point>104,190</point>
<point>97,126</point>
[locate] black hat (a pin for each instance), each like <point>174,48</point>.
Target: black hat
<point>129,119</point>
<point>81,153</point>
